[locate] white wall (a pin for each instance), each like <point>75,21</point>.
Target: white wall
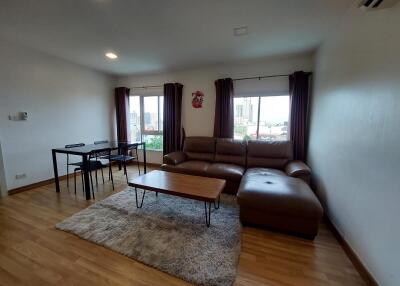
<point>200,122</point>
<point>66,104</point>
<point>355,133</point>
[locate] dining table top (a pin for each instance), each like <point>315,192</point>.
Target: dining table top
<point>89,148</point>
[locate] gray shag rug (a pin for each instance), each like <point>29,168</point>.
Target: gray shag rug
<point>169,233</point>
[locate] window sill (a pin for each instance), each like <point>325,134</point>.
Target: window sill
<point>153,150</point>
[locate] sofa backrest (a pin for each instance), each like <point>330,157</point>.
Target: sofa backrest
<point>199,148</point>
<point>230,151</point>
<point>268,154</point>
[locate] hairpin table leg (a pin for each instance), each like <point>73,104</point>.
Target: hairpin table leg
<point>216,206</point>
<point>136,196</point>
<point>208,213</point>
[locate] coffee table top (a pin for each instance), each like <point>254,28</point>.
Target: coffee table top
<point>188,186</point>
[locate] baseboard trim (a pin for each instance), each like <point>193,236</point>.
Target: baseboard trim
<point>50,181</point>
<point>36,185</point>
<point>358,264</point>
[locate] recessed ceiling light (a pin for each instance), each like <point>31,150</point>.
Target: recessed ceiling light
<point>111,56</point>
<point>240,31</point>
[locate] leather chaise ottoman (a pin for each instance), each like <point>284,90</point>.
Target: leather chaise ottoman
<point>269,198</point>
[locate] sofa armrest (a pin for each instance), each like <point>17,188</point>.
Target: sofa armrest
<point>298,169</point>
<point>174,158</point>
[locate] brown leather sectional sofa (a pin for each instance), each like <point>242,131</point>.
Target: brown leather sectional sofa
<point>271,188</point>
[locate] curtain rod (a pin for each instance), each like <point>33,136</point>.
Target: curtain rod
<point>147,86</point>
<point>260,77</point>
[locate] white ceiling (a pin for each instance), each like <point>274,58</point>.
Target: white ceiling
<point>156,35</point>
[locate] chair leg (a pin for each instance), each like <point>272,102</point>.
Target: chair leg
<point>68,177</point>
<point>112,179</point>
<point>102,174</point>
<point>91,182</point>
<point>83,183</point>
<point>91,179</point>
<point>74,181</point>
<point>137,160</point>
<point>126,173</point>
<point>97,181</point>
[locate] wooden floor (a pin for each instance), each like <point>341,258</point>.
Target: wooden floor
<point>33,252</point>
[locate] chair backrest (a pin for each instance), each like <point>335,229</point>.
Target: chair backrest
<point>124,148</point>
<point>96,154</point>
<point>74,145</point>
<point>102,153</point>
<point>101,142</point>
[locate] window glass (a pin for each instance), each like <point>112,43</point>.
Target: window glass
<point>146,119</point>
<point>274,117</point>
<point>272,122</point>
<point>150,114</point>
<point>245,117</point>
<point>161,112</point>
<point>134,116</point>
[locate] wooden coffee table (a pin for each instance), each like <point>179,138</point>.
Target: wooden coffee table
<point>198,188</point>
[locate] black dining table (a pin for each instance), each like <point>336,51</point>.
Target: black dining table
<point>85,151</point>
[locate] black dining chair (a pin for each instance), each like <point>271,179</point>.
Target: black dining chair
<point>124,157</point>
<point>75,163</point>
<point>95,165</point>
<point>98,156</point>
<point>104,156</point>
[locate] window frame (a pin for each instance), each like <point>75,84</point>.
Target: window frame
<point>259,107</point>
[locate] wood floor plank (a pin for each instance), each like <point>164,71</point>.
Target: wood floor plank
<point>33,252</point>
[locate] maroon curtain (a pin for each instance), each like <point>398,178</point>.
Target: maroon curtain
<point>223,122</point>
<point>299,84</point>
<point>122,109</point>
<point>172,117</point>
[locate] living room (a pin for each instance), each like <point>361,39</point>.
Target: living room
<point>199,142</point>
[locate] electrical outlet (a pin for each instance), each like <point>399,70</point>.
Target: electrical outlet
<point>19,116</point>
<point>20,176</point>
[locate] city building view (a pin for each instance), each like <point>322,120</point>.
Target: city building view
<point>264,117</point>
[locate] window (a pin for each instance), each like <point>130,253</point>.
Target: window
<point>146,120</point>
<point>261,117</point>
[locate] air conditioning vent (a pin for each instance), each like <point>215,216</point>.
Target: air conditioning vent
<point>377,4</point>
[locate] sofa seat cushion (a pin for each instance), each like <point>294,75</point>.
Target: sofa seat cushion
<point>256,172</point>
<point>273,192</point>
<point>228,172</point>
<point>196,168</point>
